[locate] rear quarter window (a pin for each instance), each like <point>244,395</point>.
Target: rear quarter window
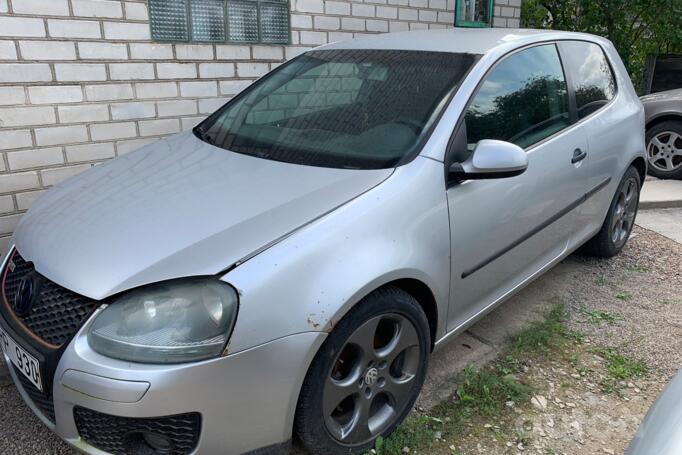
<point>591,74</point>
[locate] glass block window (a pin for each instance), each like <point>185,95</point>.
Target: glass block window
<point>474,13</point>
<point>208,20</point>
<point>243,21</point>
<point>274,23</point>
<point>215,21</point>
<point>169,20</point>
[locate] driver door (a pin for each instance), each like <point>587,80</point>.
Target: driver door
<point>505,230</point>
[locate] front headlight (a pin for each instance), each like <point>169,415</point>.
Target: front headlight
<point>171,322</point>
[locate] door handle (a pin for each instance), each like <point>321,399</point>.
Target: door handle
<point>578,155</point>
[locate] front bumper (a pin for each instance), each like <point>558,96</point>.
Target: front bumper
<point>246,400</point>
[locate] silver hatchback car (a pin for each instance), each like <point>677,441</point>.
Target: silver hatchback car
<point>286,269</point>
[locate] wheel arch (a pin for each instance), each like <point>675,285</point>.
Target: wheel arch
<point>417,288</point>
<point>426,299</point>
<point>660,118</point>
<point>639,163</point>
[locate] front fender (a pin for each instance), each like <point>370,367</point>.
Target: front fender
<point>308,281</point>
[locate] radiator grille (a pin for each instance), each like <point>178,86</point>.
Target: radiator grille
<point>56,314</point>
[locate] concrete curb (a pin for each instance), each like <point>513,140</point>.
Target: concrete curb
<point>646,205</point>
<point>660,194</point>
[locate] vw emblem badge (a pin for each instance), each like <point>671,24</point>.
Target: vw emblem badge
<point>23,300</point>
<point>371,376</point>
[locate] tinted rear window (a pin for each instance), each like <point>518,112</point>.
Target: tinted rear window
<point>667,73</point>
<point>362,109</point>
<point>592,78</point>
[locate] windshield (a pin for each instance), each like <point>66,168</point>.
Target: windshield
<point>360,109</point>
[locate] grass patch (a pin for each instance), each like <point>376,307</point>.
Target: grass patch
<point>599,317</point>
<point>486,394</point>
<point>624,296</point>
<point>583,371</point>
<point>638,268</point>
<point>620,368</point>
<point>486,391</point>
<point>415,431</point>
<point>543,335</point>
<point>667,302</point>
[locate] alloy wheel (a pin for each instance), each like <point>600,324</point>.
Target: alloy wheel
<point>665,151</point>
<point>625,211</point>
<point>372,379</point>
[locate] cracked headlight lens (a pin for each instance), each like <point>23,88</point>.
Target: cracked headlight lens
<point>171,322</point>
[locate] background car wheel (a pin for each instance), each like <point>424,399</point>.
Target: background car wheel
<point>366,376</point>
<point>620,219</point>
<point>664,149</point>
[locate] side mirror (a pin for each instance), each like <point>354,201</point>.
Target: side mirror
<point>491,159</point>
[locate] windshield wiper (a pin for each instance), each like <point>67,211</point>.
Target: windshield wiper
<point>203,135</point>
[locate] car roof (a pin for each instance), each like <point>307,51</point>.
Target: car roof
<point>457,40</point>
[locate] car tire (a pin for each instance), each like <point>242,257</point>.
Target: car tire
<point>620,218</point>
<point>377,355</point>
<point>664,149</point>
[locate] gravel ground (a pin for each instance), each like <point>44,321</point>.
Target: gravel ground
<point>641,291</point>
<point>643,285</point>
<point>570,415</point>
<point>642,288</point>
<point>21,432</point>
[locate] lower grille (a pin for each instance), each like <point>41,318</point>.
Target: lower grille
<point>132,436</point>
<point>39,399</point>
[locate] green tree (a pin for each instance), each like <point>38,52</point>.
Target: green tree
<point>637,28</point>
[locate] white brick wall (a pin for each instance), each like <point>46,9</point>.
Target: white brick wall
<point>97,8</point>
<point>103,51</point>
<point>80,72</point>
<point>106,92</point>
<point>81,81</point>
<point>47,94</point>
<point>42,7</point>
<point>59,28</point>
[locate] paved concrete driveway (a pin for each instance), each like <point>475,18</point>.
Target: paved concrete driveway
<point>658,194</point>
<point>667,222</point>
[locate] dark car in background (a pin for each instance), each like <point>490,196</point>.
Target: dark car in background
<point>663,108</point>
<point>664,133</point>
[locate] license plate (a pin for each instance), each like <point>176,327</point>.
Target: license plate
<point>25,362</point>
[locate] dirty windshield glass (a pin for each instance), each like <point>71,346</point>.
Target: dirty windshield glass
<point>363,109</point>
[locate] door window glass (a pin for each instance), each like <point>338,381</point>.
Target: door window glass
<point>522,100</point>
<point>592,78</point>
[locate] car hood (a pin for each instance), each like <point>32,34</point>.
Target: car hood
<point>178,207</point>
